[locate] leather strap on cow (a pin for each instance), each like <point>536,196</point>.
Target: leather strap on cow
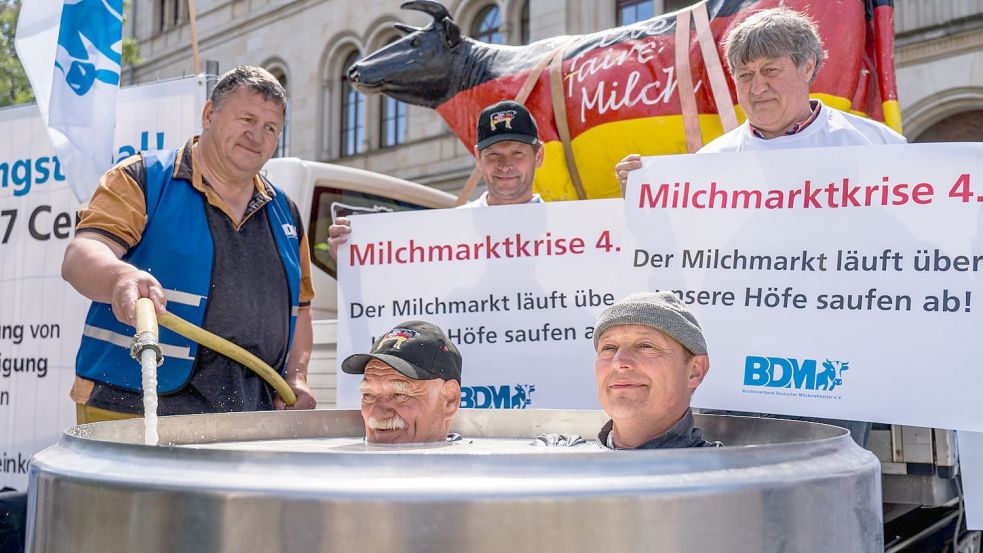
<point>521,97</point>
<point>684,85</point>
<point>715,71</point>
<point>468,187</point>
<point>562,123</point>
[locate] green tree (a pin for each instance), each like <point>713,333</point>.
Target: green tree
<point>14,86</point>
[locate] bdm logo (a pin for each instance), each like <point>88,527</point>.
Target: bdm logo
<point>804,374</point>
<point>89,47</point>
<point>497,397</point>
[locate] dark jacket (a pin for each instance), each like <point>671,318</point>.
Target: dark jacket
<point>682,434</point>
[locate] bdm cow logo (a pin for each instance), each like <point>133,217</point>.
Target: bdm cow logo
<point>799,374</point>
<point>89,44</point>
<point>497,397</point>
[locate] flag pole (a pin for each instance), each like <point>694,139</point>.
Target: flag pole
<point>192,18</point>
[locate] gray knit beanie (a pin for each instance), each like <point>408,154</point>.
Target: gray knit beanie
<point>660,310</point>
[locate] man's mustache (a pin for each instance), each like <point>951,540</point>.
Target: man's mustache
<point>394,422</point>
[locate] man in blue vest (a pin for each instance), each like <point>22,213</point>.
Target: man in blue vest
<point>202,234</point>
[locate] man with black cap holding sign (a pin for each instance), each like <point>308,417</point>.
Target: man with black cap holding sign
<point>508,153</point>
<point>411,386</point>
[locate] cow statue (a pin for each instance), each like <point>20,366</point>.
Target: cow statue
<point>624,90</point>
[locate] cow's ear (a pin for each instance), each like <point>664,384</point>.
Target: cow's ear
<point>452,32</point>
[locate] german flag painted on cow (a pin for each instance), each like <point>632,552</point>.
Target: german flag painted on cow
<point>620,87</point>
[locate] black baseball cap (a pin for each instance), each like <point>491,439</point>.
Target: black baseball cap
<point>506,120</point>
<point>417,349</point>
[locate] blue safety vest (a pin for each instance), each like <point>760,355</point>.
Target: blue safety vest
<point>177,249</point>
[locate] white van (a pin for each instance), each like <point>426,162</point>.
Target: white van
<point>323,192</point>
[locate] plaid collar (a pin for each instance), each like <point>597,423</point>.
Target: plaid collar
<point>815,105</point>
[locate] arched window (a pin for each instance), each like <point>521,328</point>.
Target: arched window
<point>487,26</point>
<point>352,112</point>
<point>524,23</point>
<point>966,126</point>
<point>283,146</point>
<point>392,121</point>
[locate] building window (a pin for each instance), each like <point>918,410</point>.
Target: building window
<point>488,26</point>
<point>524,23</point>
<point>673,5</point>
<point>352,112</point>
<point>392,121</point>
<point>633,11</point>
<point>170,14</point>
<point>283,145</point>
<point>393,127</point>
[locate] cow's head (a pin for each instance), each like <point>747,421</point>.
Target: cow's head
<point>417,68</point>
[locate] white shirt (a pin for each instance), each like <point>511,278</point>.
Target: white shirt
<point>482,201</point>
<point>832,127</point>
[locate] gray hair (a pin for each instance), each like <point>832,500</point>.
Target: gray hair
<point>775,33</point>
<point>256,79</point>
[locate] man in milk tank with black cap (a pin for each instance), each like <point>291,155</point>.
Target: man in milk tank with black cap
<point>411,385</point>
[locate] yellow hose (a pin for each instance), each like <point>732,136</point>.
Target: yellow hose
<point>230,350</point>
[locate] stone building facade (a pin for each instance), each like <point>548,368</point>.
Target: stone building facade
<point>939,63</point>
<point>309,43</point>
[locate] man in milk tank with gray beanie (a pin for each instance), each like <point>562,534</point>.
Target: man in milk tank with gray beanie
<point>651,356</point>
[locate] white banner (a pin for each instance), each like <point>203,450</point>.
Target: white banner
<point>851,292</point>
<point>839,282</point>
<point>516,288</point>
<point>41,315</point>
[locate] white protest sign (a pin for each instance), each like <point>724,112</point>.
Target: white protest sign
<point>41,316</point>
<point>516,288</point>
<point>866,312</point>
<point>842,282</point>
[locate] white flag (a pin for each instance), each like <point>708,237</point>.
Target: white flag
<point>72,53</point>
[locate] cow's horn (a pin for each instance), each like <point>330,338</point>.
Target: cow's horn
<point>435,9</point>
<point>406,29</point>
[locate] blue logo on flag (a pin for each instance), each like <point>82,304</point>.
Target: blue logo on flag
<point>89,45</point>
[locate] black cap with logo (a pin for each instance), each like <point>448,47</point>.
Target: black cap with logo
<point>417,349</point>
<point>506,120</point>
